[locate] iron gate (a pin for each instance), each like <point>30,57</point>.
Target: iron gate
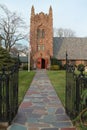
<point>8,93</point>
<point>75,85</point>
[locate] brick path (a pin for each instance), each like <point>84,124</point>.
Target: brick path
<point>41,109</point>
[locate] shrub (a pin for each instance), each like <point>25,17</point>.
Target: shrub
<point>80,67</point>
<point>55,67</point>
<point>25,67</point>
<point>55,61</point>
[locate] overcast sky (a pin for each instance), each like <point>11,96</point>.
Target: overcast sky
<point>66,13</point>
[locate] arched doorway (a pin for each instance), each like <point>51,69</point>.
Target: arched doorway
<point>42,63</point>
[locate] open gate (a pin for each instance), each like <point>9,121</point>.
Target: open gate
<point>76,84</point>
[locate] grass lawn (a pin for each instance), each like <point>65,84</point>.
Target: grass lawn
<point>25,79</point>
<point>58,81</point>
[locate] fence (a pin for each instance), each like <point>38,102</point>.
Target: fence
<point>8,93</point>
<point>75,86</point>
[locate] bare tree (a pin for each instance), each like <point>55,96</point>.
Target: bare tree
<point>69,33</point>
<point>60,32</point>
<point>22,49</point>
<point>12,27</point>
<point>64,32</point>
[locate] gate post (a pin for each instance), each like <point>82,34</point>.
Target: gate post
<point>66,84</point>
<point>77,94</point>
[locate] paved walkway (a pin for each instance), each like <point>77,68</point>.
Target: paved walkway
<point>41,109</point>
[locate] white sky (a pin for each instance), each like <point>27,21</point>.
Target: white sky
<point>66,13</point>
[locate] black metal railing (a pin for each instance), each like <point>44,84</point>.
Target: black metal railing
<point>75,86</point>
<point>8,93</point>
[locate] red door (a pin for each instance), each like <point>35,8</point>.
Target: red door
<point>42,63</point>
<point>39,63</point>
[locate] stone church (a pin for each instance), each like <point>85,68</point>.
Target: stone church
<point>44,45</point>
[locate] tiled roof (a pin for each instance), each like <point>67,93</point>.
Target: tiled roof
<point>76,48</point>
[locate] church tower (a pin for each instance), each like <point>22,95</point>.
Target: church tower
<point>41,39</point>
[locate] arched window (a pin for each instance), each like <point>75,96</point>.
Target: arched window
<point>41,47</point>
<point>38,33</point>
<point>43,33</point>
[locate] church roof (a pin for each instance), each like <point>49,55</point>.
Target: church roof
<point>76,48</point>
<point>23,59</point>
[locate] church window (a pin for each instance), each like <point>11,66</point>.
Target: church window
<point>43,33</point>
<point>38,47</point>
<point>38,33</point>
<point>41,47</point>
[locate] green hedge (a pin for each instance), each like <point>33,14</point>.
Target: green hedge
<point>55,67</point>
<point>25,67</point>
<point>80,67</point>
<point>55,64</point>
